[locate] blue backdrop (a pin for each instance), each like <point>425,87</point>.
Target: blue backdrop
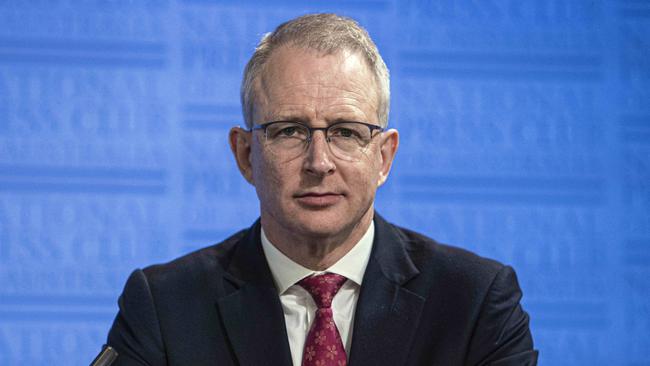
<point>525,132</point>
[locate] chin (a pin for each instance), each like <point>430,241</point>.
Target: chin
<point>323,223</point>
<point>318,228</point>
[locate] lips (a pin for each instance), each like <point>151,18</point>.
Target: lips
<point>318,199</point>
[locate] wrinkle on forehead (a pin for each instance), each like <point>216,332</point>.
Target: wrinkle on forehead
<point>329,87</point>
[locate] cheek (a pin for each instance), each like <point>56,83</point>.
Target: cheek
<point>368,172</point>
<point>269,177</point>
<point>363,180</point>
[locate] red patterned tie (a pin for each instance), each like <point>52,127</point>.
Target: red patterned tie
<point>323,346</point>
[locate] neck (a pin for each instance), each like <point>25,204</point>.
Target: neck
<point>316,251</point>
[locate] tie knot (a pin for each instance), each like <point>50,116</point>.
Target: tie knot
<point>322,288</point>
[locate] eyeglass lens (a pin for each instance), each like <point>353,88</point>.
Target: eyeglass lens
<point>347,140</point>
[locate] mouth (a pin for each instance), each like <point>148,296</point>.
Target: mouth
<point>318,200</point>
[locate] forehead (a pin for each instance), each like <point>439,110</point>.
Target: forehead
<point>297,80</point>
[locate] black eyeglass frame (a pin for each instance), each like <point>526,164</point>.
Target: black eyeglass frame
<point>311,130</point>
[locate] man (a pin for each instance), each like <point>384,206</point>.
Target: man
<point>320,278</point>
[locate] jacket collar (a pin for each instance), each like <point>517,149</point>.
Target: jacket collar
<point>385,320</point>
<point>387,312</point>
<point>250,310</point>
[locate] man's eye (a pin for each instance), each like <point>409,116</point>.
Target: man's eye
<point>345,132</point>
<point>288,131</point>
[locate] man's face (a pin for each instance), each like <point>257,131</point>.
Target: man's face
<point>316,194</point>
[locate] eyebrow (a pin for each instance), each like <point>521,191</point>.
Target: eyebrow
<point>340,120</point>
<point>304,121</point>
<point>291,119</point>
<point>332,123</point>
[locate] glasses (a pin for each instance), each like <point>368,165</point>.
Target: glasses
<point>347,140</point>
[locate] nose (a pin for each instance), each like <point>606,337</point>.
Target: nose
<point>318,160</point>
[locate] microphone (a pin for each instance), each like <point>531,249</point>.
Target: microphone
<point>106,357</point>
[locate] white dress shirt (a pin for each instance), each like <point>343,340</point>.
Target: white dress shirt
<point>299,307</point>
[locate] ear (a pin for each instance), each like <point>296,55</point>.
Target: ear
<point>240,145</point>
<point>388,149</point>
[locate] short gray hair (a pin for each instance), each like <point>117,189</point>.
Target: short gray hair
<point>325,33</point>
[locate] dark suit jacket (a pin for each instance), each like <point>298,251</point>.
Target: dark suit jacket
<point>421,303</point>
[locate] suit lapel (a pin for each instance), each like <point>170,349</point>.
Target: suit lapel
<point>386,317</point>
<point>251,311</point>
<point>387,313</point>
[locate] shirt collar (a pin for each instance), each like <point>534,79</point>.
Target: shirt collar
<point>352,265</point>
